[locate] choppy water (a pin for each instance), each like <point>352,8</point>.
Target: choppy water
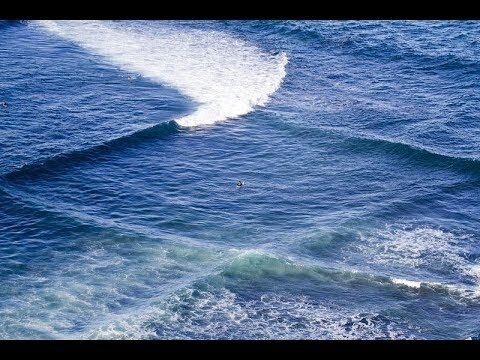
<point>121,144</point>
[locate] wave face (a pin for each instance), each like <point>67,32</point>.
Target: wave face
<point>226,76</point>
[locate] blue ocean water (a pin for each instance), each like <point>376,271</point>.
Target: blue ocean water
<point>121,143</point>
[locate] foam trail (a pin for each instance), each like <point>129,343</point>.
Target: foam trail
<point>226,76</point>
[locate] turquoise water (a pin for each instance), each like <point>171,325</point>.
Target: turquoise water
<point>122,142</point>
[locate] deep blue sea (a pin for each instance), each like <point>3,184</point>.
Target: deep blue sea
<point>121,143</point>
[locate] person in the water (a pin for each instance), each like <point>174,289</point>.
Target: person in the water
<point>4,104</point>
<point>240,183</point>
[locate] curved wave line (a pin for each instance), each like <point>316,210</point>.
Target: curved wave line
<point>418,153</point>
<point>75,157</point>
<point>255,262</point>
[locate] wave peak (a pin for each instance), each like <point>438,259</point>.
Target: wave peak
<point>227,77</point>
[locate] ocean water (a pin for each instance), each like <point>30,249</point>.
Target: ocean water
<point>121,143</point>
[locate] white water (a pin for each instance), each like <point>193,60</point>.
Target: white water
<point>227,77</point>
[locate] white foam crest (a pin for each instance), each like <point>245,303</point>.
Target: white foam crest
<point>469,293</point>
<point>408,283</point>
<point>226,76</point>
<point>475,271</point>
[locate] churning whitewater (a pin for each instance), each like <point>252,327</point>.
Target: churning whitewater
<point>226,76</point>
<point>122,144</point>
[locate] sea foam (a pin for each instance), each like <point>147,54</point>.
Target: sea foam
<point>225,76</point>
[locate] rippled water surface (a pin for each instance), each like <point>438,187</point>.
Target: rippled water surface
<point>121,144</point>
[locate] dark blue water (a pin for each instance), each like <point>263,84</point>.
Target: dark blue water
<point>121,144</point>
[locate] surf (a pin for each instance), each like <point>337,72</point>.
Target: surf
<point>225,76</point>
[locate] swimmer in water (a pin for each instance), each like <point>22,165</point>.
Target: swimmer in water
<point>4,104</point>
<point>240,183</point>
